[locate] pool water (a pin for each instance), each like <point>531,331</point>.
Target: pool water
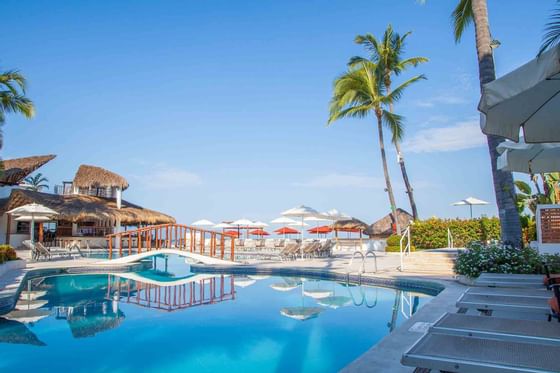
<point>169,320</point>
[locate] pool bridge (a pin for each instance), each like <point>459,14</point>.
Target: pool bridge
<point>195,244</point>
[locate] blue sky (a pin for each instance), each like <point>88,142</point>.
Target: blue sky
<point>217,109</point>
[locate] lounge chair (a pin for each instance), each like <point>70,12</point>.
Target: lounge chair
<point>506,329</point>
<point>54,251</point>
<point>498,302</point>
<point>290,251</point>
<point>36,253</point>
<point>509,280</point>
<point>311,249</point>
<point>459,353</point>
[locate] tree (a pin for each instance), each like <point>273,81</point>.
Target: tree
<point>12,97</point>
<point>37,182</point>
<point>552,31</point>
<point>360,92</point>
<point>387,54</point>
<point>476,11</point>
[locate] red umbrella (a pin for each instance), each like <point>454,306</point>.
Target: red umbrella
<point>320,230</point>
<point>286,230</point>
<point>232,233</point>
<point>259,232</point>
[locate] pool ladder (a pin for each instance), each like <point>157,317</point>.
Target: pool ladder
<point>363,257</point>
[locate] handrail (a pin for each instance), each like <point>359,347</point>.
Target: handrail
<point>364,256</point>
<point>406,250</point>
<point>449,239</point>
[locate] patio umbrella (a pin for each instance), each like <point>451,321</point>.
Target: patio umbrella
<point>245,223</point>
<point>335,215</point>
<point>528,158</point>
<point>283,220</point>
<point>231,233</point>
<point>259,232</point>
<point>301,212</point>
<point>202,223</point>
<point>260,224</point>
<point>33,211</point>
<point>317,219</point>
<point>526,98</point>
<point>325,229</point>
<point>470,201</point>
<point>223,225</point>
<point>286,230</point>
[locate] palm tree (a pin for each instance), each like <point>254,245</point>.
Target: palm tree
<point>552,35</point>
<point>387,53</point>
<point>360,92</point>
<point>12,97</point>
<point>476,11</point>
<point>37,182</point>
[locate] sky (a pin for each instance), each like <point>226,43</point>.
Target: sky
<point>217,109</point>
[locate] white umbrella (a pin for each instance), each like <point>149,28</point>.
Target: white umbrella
<point>527,98</point>
<point>283,220</point>
<point>470,201</point>
<point>202,223</point>
<point>33,212</point>
<point>301,212</point>
<point>223,225</point>
<point>243,223</point>
<point>317,220</point>
<point>335,215</point>
<point>299,224</point>
<point>35,218</point>
<point>528,158</point>
<point>260,224</point>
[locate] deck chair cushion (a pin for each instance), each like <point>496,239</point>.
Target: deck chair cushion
<point>554,305</point>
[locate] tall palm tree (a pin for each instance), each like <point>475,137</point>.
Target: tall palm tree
<point>552,31</point>
<point>360,92</point>
<point>387,53</point>
<point>476,11</point>
<point>12,97</point>
<point>37,182</point>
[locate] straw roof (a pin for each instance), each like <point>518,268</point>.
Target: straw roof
<point>350,224</point>
<point>93,176</point>
<point>17,169</point>
<point>383,227</point>
<point>78,207</point>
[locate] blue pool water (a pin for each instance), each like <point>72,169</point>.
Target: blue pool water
<point>170,320</point>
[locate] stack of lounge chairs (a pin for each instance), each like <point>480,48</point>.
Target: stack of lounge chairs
<point>504,324</point>
<point>309,249</point>
<point>40,252</point>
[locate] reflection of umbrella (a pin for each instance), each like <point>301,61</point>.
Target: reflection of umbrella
<point>528,158</point>
<point>317,293</point>
<point>27,316</point>
<point>95,321</point>
<point>243,282</point>
<point>30,304</point>
<point>470,201</point>
<point>525,98</point>
<point>283,287</point>
<point>31,294</point>
<point>301,313</point>
<point>31,212</point>
<point>258,277</point>
<point>335,301</point>
<point>17,333</point>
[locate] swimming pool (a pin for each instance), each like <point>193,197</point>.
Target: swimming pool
<point>168,319</point>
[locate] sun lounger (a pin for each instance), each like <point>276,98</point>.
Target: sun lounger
<point>457,353</point>
<point>499,302</point>
<point>509,280</point>
<point>506,329</point>
<point>290,251</point>
<point>54,251</point>
<point>36,254</point>
<point>512,292</point>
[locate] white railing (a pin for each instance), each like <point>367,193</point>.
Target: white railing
<point>404,248</point>
<point>449,239</point>
<point>363,265</point>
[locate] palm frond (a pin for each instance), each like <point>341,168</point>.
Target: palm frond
<point>395,124</point>
<point>412,61</point>
<point>462,16</point>
<point>370,43</point>
<point>551,37</point>
<point>397,93</point>
<point>10,103</point>
<point>7,77</point>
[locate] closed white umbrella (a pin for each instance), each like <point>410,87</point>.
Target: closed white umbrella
<point>32,212</point>
<point>301,212</point>
<point>470,201</point>
<point>528,158</point>
<point>526,98</point>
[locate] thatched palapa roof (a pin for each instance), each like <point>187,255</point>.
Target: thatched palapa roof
<point>17,169</point>
<point>350,224</point>
<point>78,207</point>
<point>383,227</point>
<point>93,176</point>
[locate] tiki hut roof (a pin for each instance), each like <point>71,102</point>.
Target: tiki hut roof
<point>93,176</point>
<point>350,225</point>
<point>383,227</point>
<point>78,207</point>
<point>17,169</point>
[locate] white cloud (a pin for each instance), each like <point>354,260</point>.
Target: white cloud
<point>441,100</point>
<point>163,176</point>
<point>336,180</point>
<point>460,136</point>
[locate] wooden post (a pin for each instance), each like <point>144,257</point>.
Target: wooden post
<point>202,243</point>
<point>129,244</point>
<point>120,244</point>
<point>40,232</point>
<point>8,229</point>
<point>232,251</point>
<point>222,244</point>
<point>193,238</point>
<point>110,239</point>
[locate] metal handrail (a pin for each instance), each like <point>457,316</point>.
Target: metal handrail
<point>406,250</point>
<point>364,256</point>
<point>449,239</point>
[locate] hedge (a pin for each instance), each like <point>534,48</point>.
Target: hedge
<point>432,233</point>
<point>7,253</point>
<point>394,244</point>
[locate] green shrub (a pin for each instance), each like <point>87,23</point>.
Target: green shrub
<point>7,253</point>
<point>432,233</point>
<point>394,244</point>
<point>498,258</point>
<point>553,262</point>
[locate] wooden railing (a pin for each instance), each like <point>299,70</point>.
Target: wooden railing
<point>172,236</point>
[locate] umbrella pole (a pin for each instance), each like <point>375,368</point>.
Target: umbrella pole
<point>471,210</point>
<point>32,229</point>
<point>301,246</point>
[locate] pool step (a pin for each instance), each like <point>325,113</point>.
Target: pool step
<point>430,262</point>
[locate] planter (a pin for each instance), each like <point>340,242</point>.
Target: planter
<point>11,265</point>
<point>465,280</point>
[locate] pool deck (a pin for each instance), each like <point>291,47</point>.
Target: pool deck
<point>384,356</point>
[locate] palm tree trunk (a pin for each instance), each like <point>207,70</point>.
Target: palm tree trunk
<point>389,188</point>
<point>407,185</point>
<point>503,181</point>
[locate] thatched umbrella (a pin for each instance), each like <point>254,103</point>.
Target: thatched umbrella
<point>384,226</point>
<point>93,176</point>
<point>349,225</point>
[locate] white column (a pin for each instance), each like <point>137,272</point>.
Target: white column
<point>74,229</point>
<point>118,196</point>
